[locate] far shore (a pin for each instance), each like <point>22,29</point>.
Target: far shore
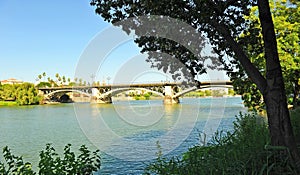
<point>87,99</point>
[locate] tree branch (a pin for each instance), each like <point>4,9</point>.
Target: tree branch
<point>251,70</point>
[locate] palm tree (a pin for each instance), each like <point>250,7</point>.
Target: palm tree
<point>69,81</point>
<point>39,77</point>
<point>57,76</point>
<point>80,82</point>
<point>59,80</point>
<point>76,79</point>
<point>44,75</point>
<point>64,79</point>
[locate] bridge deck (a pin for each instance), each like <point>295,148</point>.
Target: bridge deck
<point>138,85</point>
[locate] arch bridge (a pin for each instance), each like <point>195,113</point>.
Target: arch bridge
<point>103,93</point>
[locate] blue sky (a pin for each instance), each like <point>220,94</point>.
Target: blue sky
<point>50,36</point>
<point>44,36</point>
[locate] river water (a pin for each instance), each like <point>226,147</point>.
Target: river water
<point>126,132</point>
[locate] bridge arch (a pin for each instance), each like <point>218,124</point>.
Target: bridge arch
<point>119,90</point>
<point>191,89</point>
<point>66,91</point>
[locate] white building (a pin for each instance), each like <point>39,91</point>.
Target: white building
<point>11,81</point>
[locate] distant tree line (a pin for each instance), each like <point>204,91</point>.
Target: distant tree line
<point>211,92</point>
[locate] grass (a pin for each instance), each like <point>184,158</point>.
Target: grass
<point>8,103</point>
<point>246,150</point>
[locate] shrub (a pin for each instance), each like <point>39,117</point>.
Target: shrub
<point>51,164</point>
<point>147,96</point>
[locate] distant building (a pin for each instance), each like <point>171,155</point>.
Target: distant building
<point>11,81</point>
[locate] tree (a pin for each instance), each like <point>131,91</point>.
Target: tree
<point>44,75</point>
<point>8,92</point>
<point>69,81</point>
<point>288,38</point>
<point>58,78</point>
<point>223,22</point>
<point>64,79</point>
<point>26,94</point>
<point>80,81</point>
<point>39,77</point>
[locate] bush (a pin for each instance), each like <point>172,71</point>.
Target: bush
<point>147,96</point>
<point>246,150</point>
<point>51,164</point>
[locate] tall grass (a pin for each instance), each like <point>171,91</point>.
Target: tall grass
<point>246,150</point>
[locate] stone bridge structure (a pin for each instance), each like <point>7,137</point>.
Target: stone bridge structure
<point>170,92</point>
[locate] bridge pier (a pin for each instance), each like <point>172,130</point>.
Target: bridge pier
<point>171,100</point>
<point>105,100</point>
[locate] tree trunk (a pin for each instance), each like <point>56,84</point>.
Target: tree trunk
<point>274,96</point>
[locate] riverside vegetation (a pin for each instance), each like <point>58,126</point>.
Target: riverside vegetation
<point>21,94</point>
<point>245,150</point>
<point>51,163</point>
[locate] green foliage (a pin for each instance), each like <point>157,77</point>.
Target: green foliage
<point>295,120</point>
<point>8,103</point>
<point>14,164</point>
<point>246,150</point>
<point>231,92</point>
<point>50,163</point>
<point>43,84</point>
<point>207,93</point>
<point>195,94</point>
<point>147,96</point>
<point>27,94</point>
<point>287,27</point>
<point>8,92</point>
<point>22,94</point>
<point>85,163</point>
<point>59,81</point>
<point>137,97</point>
<point>212,92</point>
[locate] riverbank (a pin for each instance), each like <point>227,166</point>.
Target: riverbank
<point>8,103</point>
<point>245,150</point>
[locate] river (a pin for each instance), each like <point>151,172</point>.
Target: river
<point>126,131</point>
